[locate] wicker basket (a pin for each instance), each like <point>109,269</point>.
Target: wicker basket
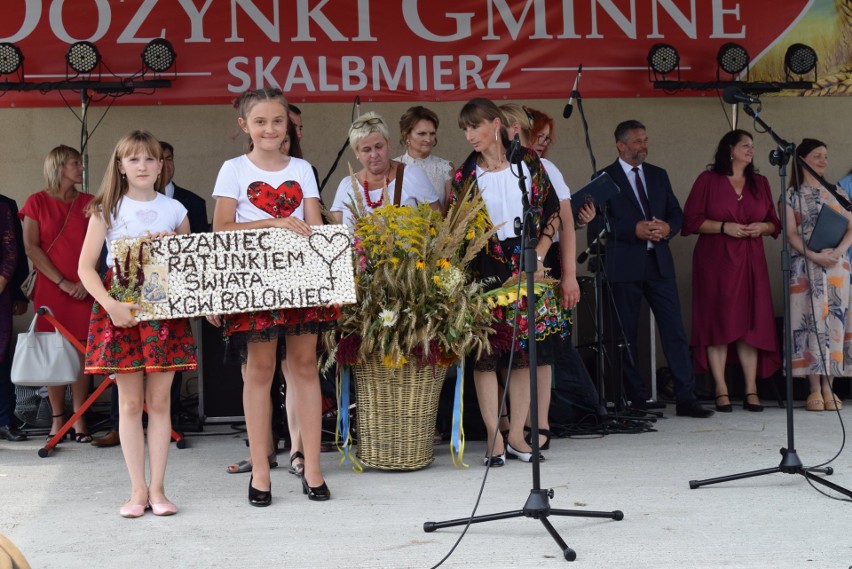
<point>396,414</point>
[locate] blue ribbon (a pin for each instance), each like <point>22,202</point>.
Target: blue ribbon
<point>457,435</point>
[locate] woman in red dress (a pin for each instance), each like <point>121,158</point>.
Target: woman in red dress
<point>731,208</point>
<point>54,228</point>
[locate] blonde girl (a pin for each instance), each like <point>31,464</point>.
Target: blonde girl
<point>131,204</point>
<point>254,336</point>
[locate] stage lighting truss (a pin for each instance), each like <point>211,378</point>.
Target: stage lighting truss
<point>800,60</point>
<point>158,56</point>
<point>83,57</point>
<point>11,58</point>
<point>732,59</point>
<point>663,59</point>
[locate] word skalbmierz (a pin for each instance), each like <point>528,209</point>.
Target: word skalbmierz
<point>244,271</point>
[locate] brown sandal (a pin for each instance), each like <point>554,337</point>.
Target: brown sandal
<point>832,403</point>
<point>815,402</point>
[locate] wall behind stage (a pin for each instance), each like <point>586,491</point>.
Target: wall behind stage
<point>683,134</point>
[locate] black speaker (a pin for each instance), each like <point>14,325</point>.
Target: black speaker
<point>220,384</point>
<point>586,331</point>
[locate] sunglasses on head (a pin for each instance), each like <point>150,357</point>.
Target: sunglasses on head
<point>362,122</point>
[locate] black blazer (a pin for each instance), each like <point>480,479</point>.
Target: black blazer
<point>22,269</point>
<point>625,253</point>
<point>196,209</point>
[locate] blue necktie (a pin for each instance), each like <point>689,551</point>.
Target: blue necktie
<point>643,197</point>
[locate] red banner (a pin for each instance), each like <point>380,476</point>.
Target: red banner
<point>333,50</point>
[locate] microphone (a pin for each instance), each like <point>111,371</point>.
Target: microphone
<point>514,153</point>
<point>569,108</point>
<point>357,107</point>
<point>585,254</point>
<point>734,95</point>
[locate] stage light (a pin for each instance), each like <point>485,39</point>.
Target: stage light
<point>83,57</point>
<point>732,58</point>
<point>158,55</point>
<point>11,58</point>
<point>663,59</point>
<point>800,59</point>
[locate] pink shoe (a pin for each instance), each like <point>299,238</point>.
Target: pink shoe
<point>129,510</point>
<point>166,509</point>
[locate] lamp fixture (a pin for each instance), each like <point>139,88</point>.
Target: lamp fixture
<point>11,58</point>
<point>158,55</point>
<point>83,57</point>
<point>800,59</point>
<point>732,59</point>
<point>663,59</point>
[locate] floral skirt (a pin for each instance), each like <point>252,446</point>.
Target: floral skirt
<point>241,329</point>
<point>552,323</point>
<point>152,346</point>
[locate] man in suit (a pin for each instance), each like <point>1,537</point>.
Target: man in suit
<point>642,218</point>
<point>8,428</point>
<point>196,206</point>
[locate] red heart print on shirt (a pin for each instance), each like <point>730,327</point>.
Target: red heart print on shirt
<point>277,202</point>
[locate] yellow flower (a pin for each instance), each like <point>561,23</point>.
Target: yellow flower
<point>437,280</point>
<point>394,261</point>
<point>502,300</point>
<point>443,264</point>
<point>390,362</point>
<point>420,265</point>
<point>470,235</point>
<point>511,297</point>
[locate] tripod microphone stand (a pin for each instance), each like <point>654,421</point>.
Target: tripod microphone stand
<point>537,505</point>
<point>605,363</point>
<point>790,461</point>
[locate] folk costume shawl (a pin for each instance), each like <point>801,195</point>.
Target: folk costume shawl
<point>542,197</point>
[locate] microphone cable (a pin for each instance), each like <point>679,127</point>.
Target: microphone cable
<point>490,453</point>
<point>808,266</point>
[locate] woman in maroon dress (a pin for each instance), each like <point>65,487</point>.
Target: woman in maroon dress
<point>54,228</point>
<point>731,208</point>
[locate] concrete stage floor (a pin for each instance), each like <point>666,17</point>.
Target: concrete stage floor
<point>62,511</point>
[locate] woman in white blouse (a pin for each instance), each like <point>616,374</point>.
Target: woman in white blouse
<point>418,129</point>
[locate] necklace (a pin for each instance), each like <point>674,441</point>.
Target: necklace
<point>372,204</point>
<point>486,165</point>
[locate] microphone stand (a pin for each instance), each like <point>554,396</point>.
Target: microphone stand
<point>579,98</point>
<point>537,505</point>
<point>632,418</point>
<point>790,461</point>
<point>599,283</point>
<point>356,112</point>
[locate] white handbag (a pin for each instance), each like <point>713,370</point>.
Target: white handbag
<point>44,358</point>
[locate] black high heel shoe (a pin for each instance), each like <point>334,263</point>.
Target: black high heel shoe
<point>542,432</point>
<point>259,498</point>
<point>724,408</point>
<point>753,407</point>
<point>319,494</point>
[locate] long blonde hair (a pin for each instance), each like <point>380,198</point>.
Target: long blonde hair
<point>114,184</point>
<point>55,161</point>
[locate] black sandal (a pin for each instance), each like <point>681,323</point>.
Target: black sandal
<point>245,465</point>
<point>51,435</point>
<point>297,469</point>
<point>83,437</point>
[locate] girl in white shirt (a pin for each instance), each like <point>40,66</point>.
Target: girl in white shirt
<point>130,204</point>
<point>263,116</point>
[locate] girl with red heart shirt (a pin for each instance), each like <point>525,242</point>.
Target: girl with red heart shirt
<point>267,188</point>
